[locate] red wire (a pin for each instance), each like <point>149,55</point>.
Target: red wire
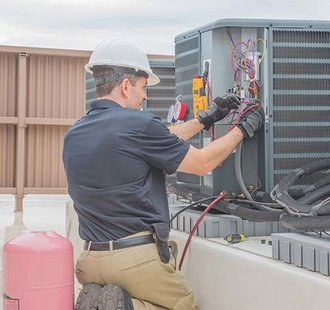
<point>212,133</point>
<point>239,61</point>
<point>241,114</point>
<point>221,196</point>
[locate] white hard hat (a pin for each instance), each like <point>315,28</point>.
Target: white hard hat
<point>121,53</point>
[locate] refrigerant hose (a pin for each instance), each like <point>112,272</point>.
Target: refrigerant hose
<point>304,223</point>
<point>245,212</point>
<point>241,183</point>
<point>280,192</point>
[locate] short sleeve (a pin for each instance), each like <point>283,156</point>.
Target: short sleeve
<point>161,148</point>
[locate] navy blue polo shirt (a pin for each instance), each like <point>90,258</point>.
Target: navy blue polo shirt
<point>115,161</point>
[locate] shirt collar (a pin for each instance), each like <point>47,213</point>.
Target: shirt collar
<point>102,104</point>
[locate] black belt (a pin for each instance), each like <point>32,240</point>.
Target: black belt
<point>119,244</point>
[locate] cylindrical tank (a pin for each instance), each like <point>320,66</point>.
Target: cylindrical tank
<point>38,272</point>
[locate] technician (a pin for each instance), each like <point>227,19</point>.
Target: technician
<point>115,159</point>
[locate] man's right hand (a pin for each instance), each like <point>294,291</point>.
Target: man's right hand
<point>251,121</point>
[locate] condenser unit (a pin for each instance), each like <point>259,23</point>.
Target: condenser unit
<point>291,59</point>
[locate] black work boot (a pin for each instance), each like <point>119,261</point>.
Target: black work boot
<point>115,298</point>
<point>89,297</point>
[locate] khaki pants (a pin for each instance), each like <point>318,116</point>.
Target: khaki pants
<point>139,270</point>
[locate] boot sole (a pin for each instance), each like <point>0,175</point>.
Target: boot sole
<point>112,298</point>
<point>88,298</point>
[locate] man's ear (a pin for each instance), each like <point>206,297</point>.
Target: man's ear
<point>124,86</point>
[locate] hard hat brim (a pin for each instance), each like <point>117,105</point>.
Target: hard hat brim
<point>153,79</point>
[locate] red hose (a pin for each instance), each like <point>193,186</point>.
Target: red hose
<point>221,196</point>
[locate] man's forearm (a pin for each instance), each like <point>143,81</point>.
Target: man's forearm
<point>202,161</point>
<point>187,129</point>
<point>217,151</point>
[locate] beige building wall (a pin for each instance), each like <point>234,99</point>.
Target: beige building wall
<point>42,93</point>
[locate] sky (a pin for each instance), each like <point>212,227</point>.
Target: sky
<point>151,24</point>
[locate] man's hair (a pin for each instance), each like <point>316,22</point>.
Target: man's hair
<point>107,78</point>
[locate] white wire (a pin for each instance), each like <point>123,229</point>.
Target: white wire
<point>320,204</point>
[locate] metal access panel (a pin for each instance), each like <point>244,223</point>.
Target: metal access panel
<point>187,64</point>
<point>294,78</point>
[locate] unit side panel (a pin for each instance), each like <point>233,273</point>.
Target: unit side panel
<point>300,97</point>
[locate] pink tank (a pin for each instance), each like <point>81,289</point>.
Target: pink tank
<point>38,272</point>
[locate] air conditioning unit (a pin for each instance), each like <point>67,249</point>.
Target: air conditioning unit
<point>291,59</point>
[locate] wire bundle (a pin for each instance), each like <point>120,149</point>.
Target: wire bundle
<point>250,104</point>
<point>244,58</point>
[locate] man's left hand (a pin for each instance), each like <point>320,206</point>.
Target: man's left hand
<point>218,110</point>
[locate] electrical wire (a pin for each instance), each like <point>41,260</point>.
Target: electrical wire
<point>241,113</point>
<point>258,187</point>
<point>230,36</point>
<point>319,205</point>
<point>291,210</point>
<point>241,61</point>
<point>220,197</point>
<point>191,205</point>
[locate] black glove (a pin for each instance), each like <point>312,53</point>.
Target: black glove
<point>251,121</point>
<point>218,110</point>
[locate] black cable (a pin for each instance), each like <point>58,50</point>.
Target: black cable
<point>191,205</point>
<point>247,213</point>
<point>304,223</point>
<point>270,205</point>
